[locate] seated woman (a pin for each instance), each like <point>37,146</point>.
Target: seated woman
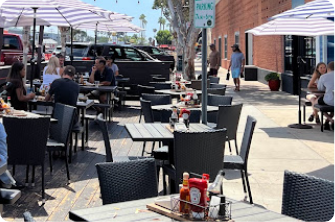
<point>17,92</point>
<point>110,64</point>
<point>320,69</point>
<point>51,72</point>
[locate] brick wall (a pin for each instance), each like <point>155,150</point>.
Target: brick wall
<point>240,15</point>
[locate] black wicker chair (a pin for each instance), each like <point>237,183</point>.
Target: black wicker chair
<point>217,91</point>
<point>144,89</point>
<point>228,118</point>
<point>161,85</point>
<point>213,79</point>
<point>157,99</point>
<point>196,152</point>
<point>197,84</point>
<point>214,85</point>
<point>307,198</point>
<point>60,133</point>
<point>240,162</point>
<point>126,181</point>
<point>217,100</point>
<point>30,148</point>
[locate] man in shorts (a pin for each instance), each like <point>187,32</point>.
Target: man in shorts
<point>237,63</point>
<point>214,61</point>
<point>326,83</point>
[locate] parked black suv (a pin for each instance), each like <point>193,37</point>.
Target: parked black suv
<point>86,51</point>
<point>157,53</point>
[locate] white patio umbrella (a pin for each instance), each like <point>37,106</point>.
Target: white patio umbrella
<point>314,9</point>
<point>295,26</point>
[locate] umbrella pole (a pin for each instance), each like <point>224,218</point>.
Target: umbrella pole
<point>301,63</point>
<point>204,76</point>
<point>71,56</point>
<point>33,51</point>
<point>40,51</point>
<point>95,40</point>
<point>1,41</point>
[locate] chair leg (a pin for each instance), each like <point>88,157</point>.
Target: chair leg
<point>67,166</point>
<point>304,113</point>
<point>75,142</point>
<point>321,121</point>
<point>140,116</point>
<point>229,147</point>
<point>83,141</point>
<point>33,177</point>
<point>244,187</point>
<point>152,148</point>
<point>50,162</point>
<point>143,149</point>
<point>27,175</point>
<point>248,185</point>
<point>164,184</point>
<point>236,147</point>
<point>86,125</point>
<point>43,185</point>
<point>13,170</point>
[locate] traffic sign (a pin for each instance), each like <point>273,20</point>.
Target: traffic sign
<point>204,14</point>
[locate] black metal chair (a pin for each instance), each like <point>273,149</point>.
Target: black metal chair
<point>30,147</point>
<point>27,217</point>
<point>157,99</point>
<point>217,100</point>
<point>213,79</point>
<point>215,85</point>
<point>148,118</point>
<point>240,162</point>
<point>307,198</point>
<point>217,91</point>
<point>228,118</point>
<point>126,181</point>
<point>104,130</point>
<point>60,133</point>
<point>144,89</point>
<point>196,152</point>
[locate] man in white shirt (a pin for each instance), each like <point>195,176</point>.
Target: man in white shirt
<point>326,83</point>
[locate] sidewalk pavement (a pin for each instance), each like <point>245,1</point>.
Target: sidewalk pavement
<point>275,147</point>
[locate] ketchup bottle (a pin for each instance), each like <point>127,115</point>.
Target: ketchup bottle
<point>198,188</point>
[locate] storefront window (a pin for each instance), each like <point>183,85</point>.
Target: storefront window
<point>330,49</point>
<point>308,54</point>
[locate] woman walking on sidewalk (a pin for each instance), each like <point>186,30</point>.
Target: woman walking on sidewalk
<point>237,63</point>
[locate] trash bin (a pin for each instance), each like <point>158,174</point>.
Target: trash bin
<point>251,73</point>
<point>180,63</point>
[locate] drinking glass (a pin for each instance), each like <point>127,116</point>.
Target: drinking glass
<point>96,83</point>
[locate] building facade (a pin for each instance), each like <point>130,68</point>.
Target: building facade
<point>266,53</point>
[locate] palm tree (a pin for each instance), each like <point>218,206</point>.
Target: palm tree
<point>161,22</point>
<point>144,22</point>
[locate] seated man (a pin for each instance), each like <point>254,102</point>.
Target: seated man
<point>65,90</point>
<point>105,76</point>
<point>326,83</point>
<point>7,181</point>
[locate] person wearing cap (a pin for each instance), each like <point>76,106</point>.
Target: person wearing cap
<point>214,61</point>
<point>237,63</point>
<point>65,90</point>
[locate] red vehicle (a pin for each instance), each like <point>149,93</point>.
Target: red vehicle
<point>12,49</point>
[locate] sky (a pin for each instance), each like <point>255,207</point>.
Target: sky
<point>132,8</point>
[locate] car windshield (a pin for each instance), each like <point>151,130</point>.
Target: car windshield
<point>78,50</point>
<point>146,56</point>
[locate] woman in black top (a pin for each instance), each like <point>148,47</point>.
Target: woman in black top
<point>17,92</point>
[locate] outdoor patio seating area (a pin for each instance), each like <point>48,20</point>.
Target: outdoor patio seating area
<point>274,149</point>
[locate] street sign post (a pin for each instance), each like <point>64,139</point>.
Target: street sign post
<point>204,14</point>
<point>204,17</point>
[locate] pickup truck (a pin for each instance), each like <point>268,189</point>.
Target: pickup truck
<point>12,49</point>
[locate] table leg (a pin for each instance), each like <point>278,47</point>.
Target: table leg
<point>83,113</point>
<point>109,103</point>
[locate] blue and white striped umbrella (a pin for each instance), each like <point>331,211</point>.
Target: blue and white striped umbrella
<point>314,9</point>
<point>295,26</point>
<point>114,26</point>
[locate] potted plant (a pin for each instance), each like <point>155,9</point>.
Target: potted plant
<point>273,80</point>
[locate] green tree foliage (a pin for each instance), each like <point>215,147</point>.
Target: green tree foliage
<point>161,22</point>
<point>164,37</point>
